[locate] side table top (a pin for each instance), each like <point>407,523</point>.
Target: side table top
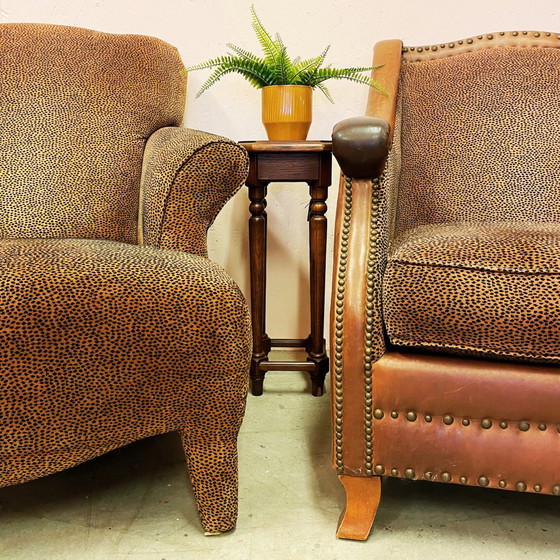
<point>288,146</point>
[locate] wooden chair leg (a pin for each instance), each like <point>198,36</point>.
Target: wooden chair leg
<point>362,500</point>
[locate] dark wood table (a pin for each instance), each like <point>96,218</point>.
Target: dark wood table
<point>306,162</point>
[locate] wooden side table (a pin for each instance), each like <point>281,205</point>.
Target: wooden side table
<point>307,162</point>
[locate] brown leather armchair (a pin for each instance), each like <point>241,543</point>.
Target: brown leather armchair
<point>114,325</point>
<point>445,317</point>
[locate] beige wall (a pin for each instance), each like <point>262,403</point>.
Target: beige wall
<point>201,28</point>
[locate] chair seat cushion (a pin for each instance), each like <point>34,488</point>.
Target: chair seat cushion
<point>103,343</point>
<point>478,289</point>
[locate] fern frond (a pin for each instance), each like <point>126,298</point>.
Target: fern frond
<point>283,67</point>
<point>243,53</point>
<point>325,91</point>
<point>257,74</point>
<point>307,68</point>
<point>209,63</point>
<point>270,47</point>
<point>351,74</point>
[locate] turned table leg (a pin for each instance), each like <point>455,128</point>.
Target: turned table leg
<point>317,259</point>
<point>257,259</point>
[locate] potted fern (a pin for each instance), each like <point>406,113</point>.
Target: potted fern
<point>286,84</point>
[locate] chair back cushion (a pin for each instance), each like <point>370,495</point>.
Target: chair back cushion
<point>76,109</point>
<point>479,133</point>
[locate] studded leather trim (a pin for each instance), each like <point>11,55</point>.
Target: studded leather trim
<point>339,323</point>
<point>527,39</point>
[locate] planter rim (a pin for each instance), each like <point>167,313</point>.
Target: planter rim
<point>287,86</point>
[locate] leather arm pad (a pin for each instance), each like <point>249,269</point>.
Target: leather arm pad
<point>360,145</point>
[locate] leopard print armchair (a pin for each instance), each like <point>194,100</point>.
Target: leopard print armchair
<point>114,325</point>
<point>445,333</point>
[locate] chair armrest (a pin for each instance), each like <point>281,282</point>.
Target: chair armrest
<point>361,145</point>
<point>187,177</point>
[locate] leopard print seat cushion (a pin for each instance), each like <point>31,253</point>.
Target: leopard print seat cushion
<point>480,289</point>
<point>103,343</point>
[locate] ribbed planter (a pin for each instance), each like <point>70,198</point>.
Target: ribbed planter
<point>286,111</point>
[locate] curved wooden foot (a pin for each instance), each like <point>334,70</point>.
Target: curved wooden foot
<point>362,500</point>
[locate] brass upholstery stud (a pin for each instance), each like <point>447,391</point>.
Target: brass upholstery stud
<point>466,422</point>
<point>523,425</point>
<point>502,483</point>
<point>537,487</point>
<point>428,475</point>
<point>448,419</point>
<point>470,41</point>
<point>542,427</point>
<point>411,416</point>
<point>483,481</point>
<point>537,34</point>
<point>521,487</point>
<point>339,307</point>
<point>463,480</point>
<point>558,428</point>
<point>503,424</point>
<point>379,469</point>
<point>394,472</point>
<point>409,473</point>
<point>556,490</point>
<point>394,414</point>
<point>445,477</point>
<point>428,418</point>
<point>378,413</point>
<point>486,423</point>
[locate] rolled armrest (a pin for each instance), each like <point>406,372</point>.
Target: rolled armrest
<point>187,178</point>
<point>361,145</point>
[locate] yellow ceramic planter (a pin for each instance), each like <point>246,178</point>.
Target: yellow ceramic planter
<point>286,111</point>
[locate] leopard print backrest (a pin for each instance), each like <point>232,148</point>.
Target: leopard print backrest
<point>477,130</point>
<point>76,109</point>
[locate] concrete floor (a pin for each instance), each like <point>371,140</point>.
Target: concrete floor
<point>136,503</point>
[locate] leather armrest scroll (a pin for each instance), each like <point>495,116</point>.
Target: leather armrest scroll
<point>361,145</point>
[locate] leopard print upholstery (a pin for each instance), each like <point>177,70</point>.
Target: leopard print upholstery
<point>79,106</point>
<point>465,289</point>
<point>474,245</point>
<point>184,176</point>
<point>105,340</point>
<point>479,138</point>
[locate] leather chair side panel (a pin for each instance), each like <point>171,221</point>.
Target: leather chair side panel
<point>471,422</point>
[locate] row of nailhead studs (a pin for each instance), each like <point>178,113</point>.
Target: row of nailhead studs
<point>482,480</point>
<point>448,419</point>
<point>471,41</point>
<point>370,303</point>
<point>339,316</point>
